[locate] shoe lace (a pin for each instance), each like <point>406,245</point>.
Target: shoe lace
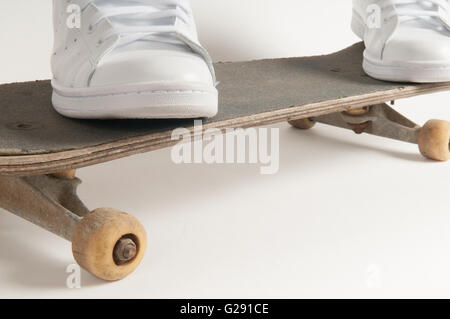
<point>430,11</point>
<point>133,20</point>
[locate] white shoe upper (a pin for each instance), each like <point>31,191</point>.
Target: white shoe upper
<point>154,40</point>
<point>106,48</point>
<point>406,40</point>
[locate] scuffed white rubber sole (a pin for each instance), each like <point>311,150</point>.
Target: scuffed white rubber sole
<point>401,71</point>
<point>136,102</point>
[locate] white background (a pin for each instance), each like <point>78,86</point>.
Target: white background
<point>346,216</point>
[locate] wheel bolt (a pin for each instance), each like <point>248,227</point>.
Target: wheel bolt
<point>125,250</point>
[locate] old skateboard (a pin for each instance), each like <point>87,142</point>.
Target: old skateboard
<point>40,150</point>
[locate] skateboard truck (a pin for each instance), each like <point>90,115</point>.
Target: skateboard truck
<point>382,120</point>
<point>107,243</point>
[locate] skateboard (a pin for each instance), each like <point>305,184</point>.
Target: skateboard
<point>40,150</point>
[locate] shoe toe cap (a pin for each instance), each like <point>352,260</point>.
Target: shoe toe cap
<point>418,45</point>
<point>140,67</point>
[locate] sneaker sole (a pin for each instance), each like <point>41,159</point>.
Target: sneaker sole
<point>141,102</point>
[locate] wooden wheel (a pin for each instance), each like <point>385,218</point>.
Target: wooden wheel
<point>434,140</point>
<point>358,112</point>
<point>65,174</point>
<point>109,244</point>
<point>303,124</point>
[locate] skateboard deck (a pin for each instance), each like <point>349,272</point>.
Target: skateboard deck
<point>34,139</point>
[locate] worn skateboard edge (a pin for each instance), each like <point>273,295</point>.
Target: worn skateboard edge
<point>26,165</point>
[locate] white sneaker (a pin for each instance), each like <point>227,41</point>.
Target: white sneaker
<point>406,40</point>
<point>130,59</point>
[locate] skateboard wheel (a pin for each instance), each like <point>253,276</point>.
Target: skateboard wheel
<point>358,112</point>
<point>303,124</point>
<point>434,140</point>
<point>65,174</point>
<point>109,244</point>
